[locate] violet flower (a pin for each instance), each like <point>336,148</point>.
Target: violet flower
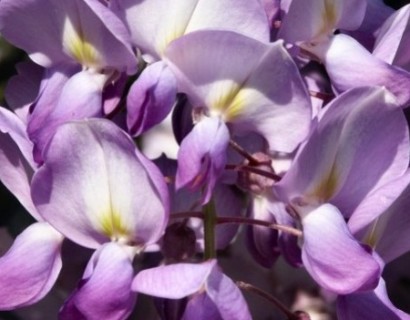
<point>332,175</point>
<point>100,192</point>
<point>266,96</point>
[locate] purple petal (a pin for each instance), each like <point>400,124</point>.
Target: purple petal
<point>11,124</point>
<point>288,243</point>
<point>377,202</point>
<point>78,98</point>
<point>272,9</point>
<point>352,70</point>
<point>202,156</point>
<point>93,187</point>
<point>359,124</point>
<point>333,257</point>
<point>158,180</point>
<point>105,290</point>
<point>383,137</point>
<point>173,21</point>
<point>262,241</point>
<point>112,95</point>
<point>151,98</point>
<point>23,88</point>
<point>19,17</point>
<point>251,97</point>
<point>228,202</point>
<point>390,234</point>
<point>376,14</point>
<point>82,30</point>
<point>173,281</point>
<point>201,307</point>
<point>54,80</point>
<point>369,305</point>
<point>31,266</point>
<point>226,296</point>
<point>17,165</point>
<point>392,42</point>
<point>107,32</point>
<point>315,20</point>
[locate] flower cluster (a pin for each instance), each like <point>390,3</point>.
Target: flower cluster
<point>284,116</point>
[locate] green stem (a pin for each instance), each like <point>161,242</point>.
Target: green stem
<point>210,221</point>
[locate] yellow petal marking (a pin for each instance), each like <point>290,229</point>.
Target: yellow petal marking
<point>77,46</point>
<point>327,187</point>
<point>113,227</point>
<point>329,18</point>
<point>229,104</point>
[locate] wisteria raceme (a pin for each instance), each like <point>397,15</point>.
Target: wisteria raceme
<point>170,153</point>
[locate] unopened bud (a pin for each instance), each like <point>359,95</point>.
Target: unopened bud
<point>254,182</point>
<point>179,242</point>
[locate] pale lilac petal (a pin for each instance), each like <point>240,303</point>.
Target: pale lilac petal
<point>31,266</point>
<point>93,187</point>
<point>376,14</point>
<point>350,65</point>
<point>83,31</point>
<point>209,65</point>
<point>23,88</point>
<point>19,17</point>
<point>160,140</point>
<point>333,257</point>
<point>105,290</point>
<point>288,244</point>
<point>15,173</point>
<point>108,32</point>
<point>173,19</point>
<point>361,124</point>
<point>262,242</point>
<point>352,14</point>
<point>272,9</point>
<point>392,43</point>
<point>265,95</point>
<point>201,307</point>
<point>315,20</point>
<point>158,180</point>
<point>52,84</point>
<point>202,156</point>
<point>228,203</point>
<point>226,296</point>
<point>246,17</point>
<point>173,281</point>
<point>80,97</point>
<point>306,20</point>
<point>276,102</point>
<point>11,124</point>
<point>17,165</point>
<point>377,202</point>
<point>377,130</point>
<point>369,305</point>
<point>150,98</point>
<point>390,235</point>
